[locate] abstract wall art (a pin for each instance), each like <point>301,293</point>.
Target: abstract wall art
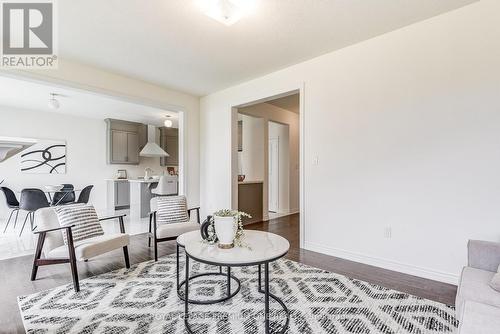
<point>45,157</point>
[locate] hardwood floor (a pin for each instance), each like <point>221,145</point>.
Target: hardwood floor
<point>15,273</point>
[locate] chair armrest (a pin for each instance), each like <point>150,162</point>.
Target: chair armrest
<point>120,220</point>
<point>112,217</point>
<point>197,213</point>
<point>54,229</point>
<point>484,255</point>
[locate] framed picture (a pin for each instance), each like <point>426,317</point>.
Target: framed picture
<point>45,157</point>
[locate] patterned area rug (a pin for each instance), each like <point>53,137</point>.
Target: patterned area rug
<point>143,299</point>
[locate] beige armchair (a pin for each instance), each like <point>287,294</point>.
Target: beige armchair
<point>176,208</point>
<point>51,244</point>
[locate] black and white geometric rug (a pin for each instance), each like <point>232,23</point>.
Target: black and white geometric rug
<point>143,299</point>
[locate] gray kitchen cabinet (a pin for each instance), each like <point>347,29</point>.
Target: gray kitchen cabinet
<point>172,145</point>
<point>132,148</point>
<point>122,194</point>
<point>125,141</point>
<point>169,141</point>
<point>118,146</point>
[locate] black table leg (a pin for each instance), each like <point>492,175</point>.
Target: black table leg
<point>177,269</point>
<point>186,292</point>
<point>260,278</point>
<point>228,281</point>
<point>266,295</point>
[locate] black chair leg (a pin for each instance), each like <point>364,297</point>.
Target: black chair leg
<point>38,253</point>
<point>156,249</point>
<point>15,221</point>
<point>125,254</point>
<point>33,222</point>
<point>149,235</point>
<point>8,221</point>
<point>25,219</point>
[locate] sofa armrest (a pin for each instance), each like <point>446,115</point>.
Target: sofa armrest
<point>479,318</point>
<point>484,255</point>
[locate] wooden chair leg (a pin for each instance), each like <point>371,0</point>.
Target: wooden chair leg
<point>156,249</point>
<point>125,254</point>
<point>72,260</point>
<point>149,235</point>
<point>38,254</point>
<point>154,236</point>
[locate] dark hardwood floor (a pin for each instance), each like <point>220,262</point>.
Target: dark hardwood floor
<point>15,273</point>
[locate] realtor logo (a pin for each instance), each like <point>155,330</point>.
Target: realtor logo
<point>28,34</point>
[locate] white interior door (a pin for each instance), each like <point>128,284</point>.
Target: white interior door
<point>274,174</point>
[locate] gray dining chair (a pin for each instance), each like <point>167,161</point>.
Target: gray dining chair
<point>65,196</point>
<point>84,196</point>
<point>32,200</point>
<point>12,204</point>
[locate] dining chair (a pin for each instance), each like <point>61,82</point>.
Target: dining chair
<point>85,195</point>
<point>12,204</point>
<point>32,200</point>
<point>170,218</point>
<point>65,196</point>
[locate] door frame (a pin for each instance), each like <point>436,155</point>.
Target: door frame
<point>263,95</point>
<point>277,140</point>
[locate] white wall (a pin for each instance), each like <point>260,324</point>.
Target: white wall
<point>406,129</point>
<point>280,132</point>
<point>85,153</point>
<point>252,157</point>
<point>79,76</point>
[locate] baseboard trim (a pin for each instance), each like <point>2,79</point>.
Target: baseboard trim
<point>384,263</point>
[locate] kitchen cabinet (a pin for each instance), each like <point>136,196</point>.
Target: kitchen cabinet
<point>125,141</point>
<point>169,141</point>
<point>250,200</point>
<point>122,194</point>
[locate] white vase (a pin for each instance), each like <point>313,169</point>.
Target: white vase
<point>225,229</point>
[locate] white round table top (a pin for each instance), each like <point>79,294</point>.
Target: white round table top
<point>259,247</point>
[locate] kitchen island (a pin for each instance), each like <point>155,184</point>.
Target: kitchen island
<point>134,194</point>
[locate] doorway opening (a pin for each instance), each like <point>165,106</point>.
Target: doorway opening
<point>269,158</point>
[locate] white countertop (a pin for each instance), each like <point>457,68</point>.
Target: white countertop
<point>143,181</point>
<point>140,180</point>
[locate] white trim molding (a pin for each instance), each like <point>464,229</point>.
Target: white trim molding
<point>384,263</point>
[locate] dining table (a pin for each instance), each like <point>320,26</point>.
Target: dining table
<point>50,190</point>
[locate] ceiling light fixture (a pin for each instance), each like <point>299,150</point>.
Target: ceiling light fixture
<point>168,123</point>
<point>53,102</point>
<point>227,12</point>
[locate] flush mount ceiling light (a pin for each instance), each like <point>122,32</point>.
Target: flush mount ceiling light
<point>227,12</point>
<point>53,102</point>
<point>168,123</point>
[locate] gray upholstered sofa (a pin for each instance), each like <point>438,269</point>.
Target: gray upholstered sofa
<point>477,304</point>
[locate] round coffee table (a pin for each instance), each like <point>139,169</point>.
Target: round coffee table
<point>195,236</point>
<point>262,249</point>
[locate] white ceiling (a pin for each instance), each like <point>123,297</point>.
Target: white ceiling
<point>29,96</point>
<point>170,42</point>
